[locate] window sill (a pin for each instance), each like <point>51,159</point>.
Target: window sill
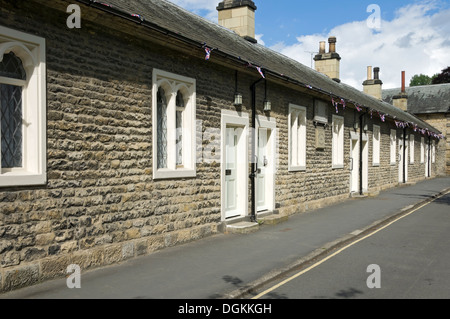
<point>338,166</point>
<point>174,174</point>
<point>15,179</point>
<point>297,168</point>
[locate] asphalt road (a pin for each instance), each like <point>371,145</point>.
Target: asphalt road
<point>411,258</point>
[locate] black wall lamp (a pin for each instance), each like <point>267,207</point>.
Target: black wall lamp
<point>237,95</point>
<point>267,103</point>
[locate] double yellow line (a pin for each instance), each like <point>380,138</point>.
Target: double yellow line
<point>342,249</point>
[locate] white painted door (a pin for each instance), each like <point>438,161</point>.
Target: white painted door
<point>427,160</point>
<point>400,160</point>
<point>403,160</point>
<point>365,164</point>
<point>354,166</point>
<point>231,203</point>
<point>262,164</point>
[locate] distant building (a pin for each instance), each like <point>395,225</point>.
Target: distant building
<point>431,103</point>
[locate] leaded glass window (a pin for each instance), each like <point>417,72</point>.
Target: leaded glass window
<point>173,120</point>
<point>162,129</point>
<point>179,128</point>
<point>11,110</point>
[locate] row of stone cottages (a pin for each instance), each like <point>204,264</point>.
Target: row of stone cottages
<point>133,131</point>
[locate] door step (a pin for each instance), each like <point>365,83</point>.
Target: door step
<point>245,226</point>
<point>273,219</point>
<point>358,195</point>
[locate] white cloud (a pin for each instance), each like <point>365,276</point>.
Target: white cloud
<point>417,41</point>
<point>259,39</point>
<point>197,6</point>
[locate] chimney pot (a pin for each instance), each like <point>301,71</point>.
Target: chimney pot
<point>322,47</point>
<point>403,82</point>
<point>369,73</point>
<point>376,72</point>
<point>332,42</point>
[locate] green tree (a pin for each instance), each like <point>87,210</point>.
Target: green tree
<point>443,77</point>
<point>420,79</point>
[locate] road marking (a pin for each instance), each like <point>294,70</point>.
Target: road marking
<point>342,249</point>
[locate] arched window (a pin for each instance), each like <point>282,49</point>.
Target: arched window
<point>23,156</point>
<point>162,128</point>
<point>174,126</point>
<point>12,81</point>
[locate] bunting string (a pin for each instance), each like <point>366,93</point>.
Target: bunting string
<point>336,101</point>
<point>399,124</point>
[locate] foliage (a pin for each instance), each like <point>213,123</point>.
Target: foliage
<point>420,79</point>
<point>443,77</point>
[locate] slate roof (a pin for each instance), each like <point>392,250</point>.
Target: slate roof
<point>197,30</point>
<point>424,99</point>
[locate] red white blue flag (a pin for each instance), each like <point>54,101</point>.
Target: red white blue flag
<point>260,71</point>
<point>208,53</point>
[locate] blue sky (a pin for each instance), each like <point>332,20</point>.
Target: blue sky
<point>414,34</point>
<point>284,20</point>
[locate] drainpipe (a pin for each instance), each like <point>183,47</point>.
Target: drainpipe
<point>404,156</point>
<point>254,167</point>
<point>429,157</point>
<point>361,129</point>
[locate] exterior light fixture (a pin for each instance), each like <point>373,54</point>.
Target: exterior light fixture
<point>237,99</point>
<point>267,106</point>
<point>237,95</point>
<point>267,103</point>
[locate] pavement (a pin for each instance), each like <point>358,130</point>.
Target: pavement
<point>233,265</point>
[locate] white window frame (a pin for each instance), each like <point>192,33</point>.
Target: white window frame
<point>393,143</point>
<point>411,148</point>
<point>31,51</point>
<point>297,137</point>
<point>376,145</point>
<point>422,150</point>
<point>433,151</point>
<point>338,142</point>
<point>172,83</point>
<point>238,119</point>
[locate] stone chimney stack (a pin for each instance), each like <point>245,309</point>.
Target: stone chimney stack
<point>373,86</point>
<point>328,63</point>
<point>401,100</point>
<point>238,16</point>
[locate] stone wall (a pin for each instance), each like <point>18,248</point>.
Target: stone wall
<point>441,121</point>
<point>100,205</point>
